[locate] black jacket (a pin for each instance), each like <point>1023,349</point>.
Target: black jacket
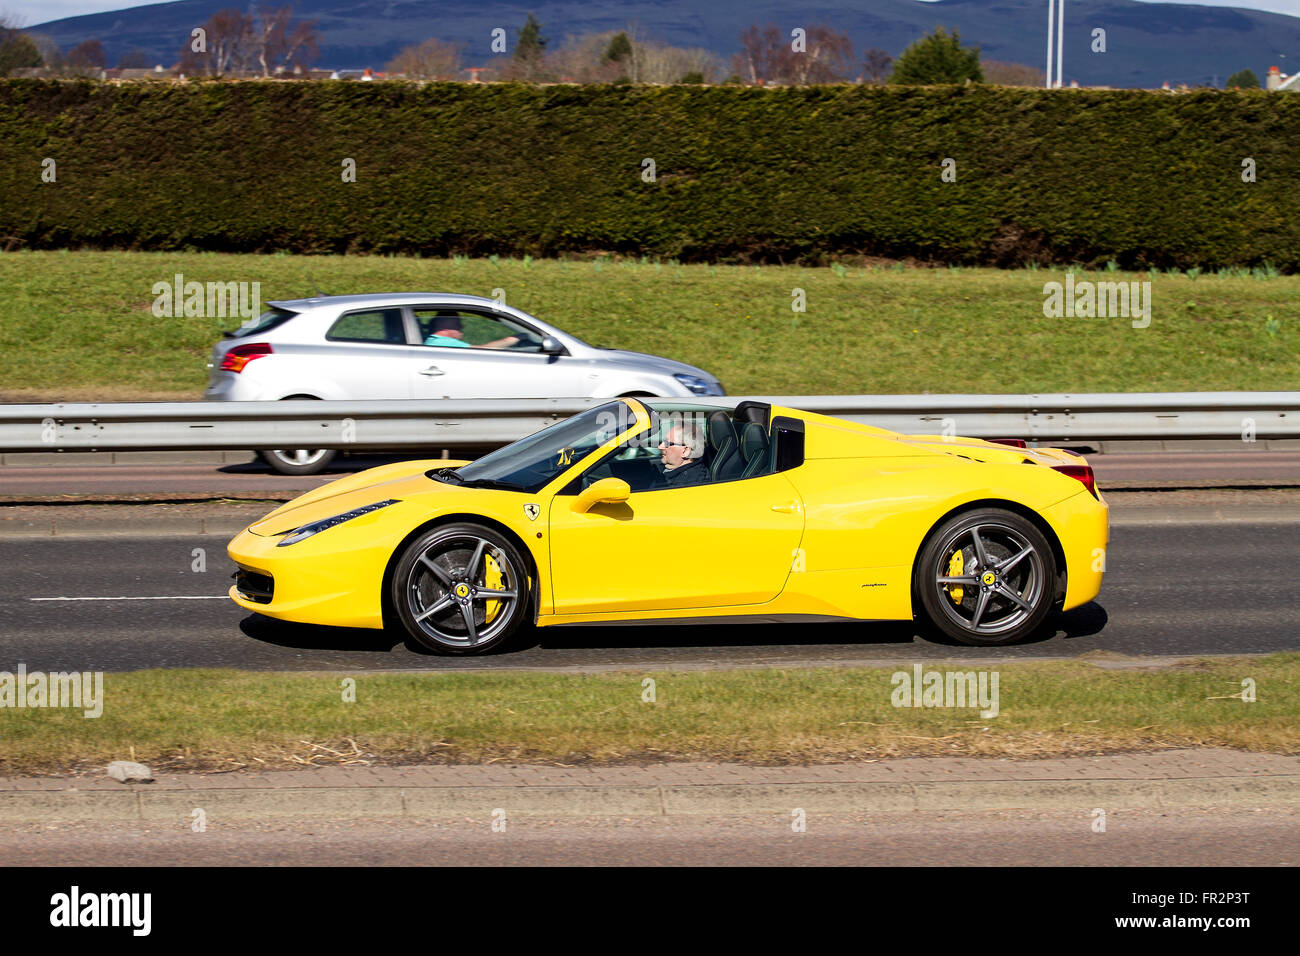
<point>693,474</point>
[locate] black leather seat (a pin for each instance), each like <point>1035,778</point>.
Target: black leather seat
<point>725,462</point>
<point>753,449</point>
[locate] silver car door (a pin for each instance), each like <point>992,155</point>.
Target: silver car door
<point>364,348</point>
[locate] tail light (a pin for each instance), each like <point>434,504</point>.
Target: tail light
<point>1083,473</point>
<point>1013,442</point>
<point>241,355</point>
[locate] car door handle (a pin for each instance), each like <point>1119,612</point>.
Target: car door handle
<point>432,370</point>
<point>791,508</point>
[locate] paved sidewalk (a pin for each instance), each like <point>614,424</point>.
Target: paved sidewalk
<point>1179,778</point>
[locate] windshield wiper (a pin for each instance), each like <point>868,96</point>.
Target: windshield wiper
<point>492,483</point>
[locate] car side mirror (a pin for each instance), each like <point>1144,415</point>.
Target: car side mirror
<point>551,346</point>
<point>607,491</point>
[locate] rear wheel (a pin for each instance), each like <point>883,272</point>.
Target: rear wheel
<point>987,577</point>
<point>461,589</point>
<point>298,461</point>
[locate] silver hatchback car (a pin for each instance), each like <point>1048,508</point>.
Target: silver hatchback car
<point>413,345</point>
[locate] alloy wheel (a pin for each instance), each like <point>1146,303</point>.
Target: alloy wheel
<point>462,590</point>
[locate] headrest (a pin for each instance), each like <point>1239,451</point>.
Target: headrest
<point>721,431</point>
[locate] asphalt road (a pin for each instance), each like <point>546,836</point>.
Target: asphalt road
<point>1172,589</point>
<point>1243,837</point>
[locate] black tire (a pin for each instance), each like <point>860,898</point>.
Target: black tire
<point>298,461</point>
<point>1013,586</point>
<point>442,563</point>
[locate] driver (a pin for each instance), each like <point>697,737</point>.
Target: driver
<point>680,453</point>
<point>445,330</point>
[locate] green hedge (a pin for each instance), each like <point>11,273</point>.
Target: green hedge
<point>1145,179</point>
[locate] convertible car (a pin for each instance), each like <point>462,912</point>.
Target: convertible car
<point>786,515</point>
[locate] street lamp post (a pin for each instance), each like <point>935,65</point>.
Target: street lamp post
<point>1051,29</point>
<point>1055,33</point>
<point>1060,42</point>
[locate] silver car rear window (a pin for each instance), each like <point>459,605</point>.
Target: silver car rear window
<point>263,323</point>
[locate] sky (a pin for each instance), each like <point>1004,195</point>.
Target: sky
<point>32,12</point>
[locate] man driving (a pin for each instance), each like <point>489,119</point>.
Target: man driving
<point>679,456</point>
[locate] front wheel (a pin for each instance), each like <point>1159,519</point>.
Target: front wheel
<point>461,589</point>
<point>987,577</point>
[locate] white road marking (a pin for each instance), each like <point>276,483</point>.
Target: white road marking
<point>175,597</point>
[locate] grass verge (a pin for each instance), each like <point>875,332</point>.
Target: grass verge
<point>222,719</point>
<point>78,326</point>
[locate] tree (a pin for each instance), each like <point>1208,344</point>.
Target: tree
<point>585,58</point>
<point>223,42</point>
<point>826,58</point>
<point>621,59</point>
<point>675,64</point>
<point>763,55</point>
<point>875,65</point>
<point>619,49</point>
<point>1244,80</point>
<point>431,60</point>
<point>529,61</point>
<point>268,42</point>
<point>1013,74</point>
<point>770,55</point>
<point>52,57</point>
<point>531,45</point>
<point>937,57</point>
<point>17,50</point>
<point>87,57</point>
<point>277,43</point>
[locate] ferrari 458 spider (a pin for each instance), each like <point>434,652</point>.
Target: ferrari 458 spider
<point>672,510</point>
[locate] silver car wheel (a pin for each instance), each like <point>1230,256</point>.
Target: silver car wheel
<point>300,456</point>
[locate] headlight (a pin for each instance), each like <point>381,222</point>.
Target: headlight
<point>307,530</point>
<point>698,385</point>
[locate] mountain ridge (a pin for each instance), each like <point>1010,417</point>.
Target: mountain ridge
<point>1146,44</point>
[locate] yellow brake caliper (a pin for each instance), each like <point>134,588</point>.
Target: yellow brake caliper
<point>492,579</point>
<point>955,565</point>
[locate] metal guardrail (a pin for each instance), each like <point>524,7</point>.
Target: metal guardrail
<point>453,423</point>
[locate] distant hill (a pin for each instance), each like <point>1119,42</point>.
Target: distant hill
<point>1147,44</point>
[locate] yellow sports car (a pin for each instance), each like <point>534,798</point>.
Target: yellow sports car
<point>638,510</point>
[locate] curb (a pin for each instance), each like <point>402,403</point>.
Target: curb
<point>140,805</point>
<point>105,526</point>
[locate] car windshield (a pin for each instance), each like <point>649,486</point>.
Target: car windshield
<point>533,462</point>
